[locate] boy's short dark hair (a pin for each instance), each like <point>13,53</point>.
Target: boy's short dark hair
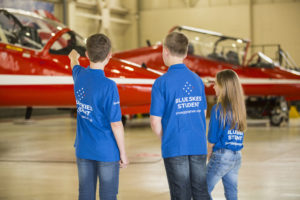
<point>177,43</point>
<point>98,47</point>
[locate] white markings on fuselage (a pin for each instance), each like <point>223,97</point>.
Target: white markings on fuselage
<point>6,79</point>
<point>60,80</point>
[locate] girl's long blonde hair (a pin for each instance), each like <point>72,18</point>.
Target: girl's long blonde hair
<point>231,99</point>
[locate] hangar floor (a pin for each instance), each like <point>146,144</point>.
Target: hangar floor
<point>37,162</point>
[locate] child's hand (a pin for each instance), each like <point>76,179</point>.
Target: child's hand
<point>74,55</point>
<point>208,156</point>
<point>124,161</point>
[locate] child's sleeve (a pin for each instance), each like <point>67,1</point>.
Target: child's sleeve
<point>75,71</point>
<point>213,127</point>
<point>157,101</point>
<point>113,105</point>
<point>204,96</point>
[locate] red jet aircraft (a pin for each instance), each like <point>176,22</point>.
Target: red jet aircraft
<point>267,85</point>
<point>35,71</point>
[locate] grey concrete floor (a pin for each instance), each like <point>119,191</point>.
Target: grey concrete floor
<point>37,162</point>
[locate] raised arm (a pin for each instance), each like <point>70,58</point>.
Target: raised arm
<point>74,56</point>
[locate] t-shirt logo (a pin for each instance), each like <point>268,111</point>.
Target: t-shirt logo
<point>84,110</point>
<point>116,102</point>
<point>80,94</point>
<point>188,88</point>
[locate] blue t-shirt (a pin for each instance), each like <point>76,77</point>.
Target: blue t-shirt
<point>223,137</point>
<point>179,98</point>
<point>98,105</point>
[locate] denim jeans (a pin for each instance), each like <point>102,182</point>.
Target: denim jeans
<point>187,177</point>
<point>89,171</point>
<point>224,164</point>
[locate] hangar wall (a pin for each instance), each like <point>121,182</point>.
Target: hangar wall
<point>230,20</point>
<point>278,23</point>
<point>119,23</point>
<point>262,21</point>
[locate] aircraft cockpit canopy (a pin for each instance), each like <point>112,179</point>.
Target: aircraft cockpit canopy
<point>26,28</point>
<point>215,45</point>
<point>30,30</point>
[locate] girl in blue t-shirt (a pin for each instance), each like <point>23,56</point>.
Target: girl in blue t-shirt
<point>226,133</point>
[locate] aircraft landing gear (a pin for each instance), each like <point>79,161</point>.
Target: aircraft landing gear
<point>275,108</point>
<point>124,120</point>
<point>27,119</point>
<point>28,113</point>
<point>73,113</point>
<point>279,113</point>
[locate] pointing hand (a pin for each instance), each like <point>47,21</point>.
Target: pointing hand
<point>74,55</point>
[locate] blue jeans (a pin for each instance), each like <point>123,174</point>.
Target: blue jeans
<point>89,171</point>
<point>187,177</point>
<point>224,164</point>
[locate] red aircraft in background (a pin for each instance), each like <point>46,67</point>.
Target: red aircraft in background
<point>35,71</point>
<point>268,85</point>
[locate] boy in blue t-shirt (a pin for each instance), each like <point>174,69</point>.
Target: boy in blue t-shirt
<point>178,110</point>
<point>99,143</point>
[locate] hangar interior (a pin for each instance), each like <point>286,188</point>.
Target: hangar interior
<point>37,158</point>
<point>131,22</point>
<point>268,24</point>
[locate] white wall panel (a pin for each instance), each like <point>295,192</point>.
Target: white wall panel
<point>230,20</point>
